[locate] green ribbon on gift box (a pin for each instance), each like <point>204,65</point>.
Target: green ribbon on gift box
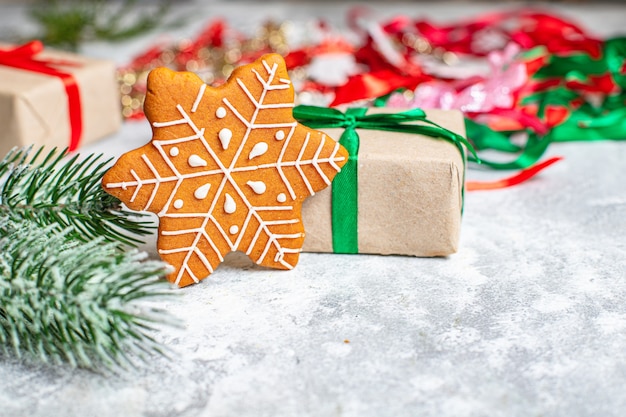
<point>345,185</point>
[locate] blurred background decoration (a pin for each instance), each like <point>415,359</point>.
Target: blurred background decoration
<point>515,71</point>
<point>65,24</point>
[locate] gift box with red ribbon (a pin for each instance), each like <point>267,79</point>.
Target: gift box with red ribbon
<point>55,98</point>
<point>401,191</point>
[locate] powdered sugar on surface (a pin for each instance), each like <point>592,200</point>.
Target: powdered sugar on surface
<point>529,318</point>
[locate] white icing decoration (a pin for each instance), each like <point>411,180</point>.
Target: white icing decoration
<point>280,135</point>
<point>202,247</point>
<point>195,161</point>
<point>225,136</point>
<point>202,191</point>
<point>178,204</point>
<point>174,151</point>
<point>233,229</point>
<point>258,187</point>
<point>220,112</point>
<point>198,98</point>
<point>281,198</point>
<point>229,204</point>
<point>258,150</point>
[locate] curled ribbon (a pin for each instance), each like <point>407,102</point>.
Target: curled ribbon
<point>24,57</point>
<point>345,185</point>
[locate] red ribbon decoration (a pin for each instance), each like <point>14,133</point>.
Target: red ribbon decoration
<point>529,28</point>
<point>23,57</point>
<point>519,178</point>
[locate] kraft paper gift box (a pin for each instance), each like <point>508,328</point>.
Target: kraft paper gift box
<point>410,195</point>
<point>55,98</point>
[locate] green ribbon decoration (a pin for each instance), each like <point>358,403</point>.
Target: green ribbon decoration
<point>579,66</point>
<point>345,185</point>
<point>585,123</point>
<point>484,137</point>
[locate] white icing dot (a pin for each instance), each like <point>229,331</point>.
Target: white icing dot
<point>195,161</point>
<point>280,135</point>
<point>202,191</point>
<point>220,112</point>
<point>178,204</point>
<point>258,150</point>
<point>233,229</point>
<point>257,186</point>
<point>225,135</point>
<point>173,151</point>
<point>281,198</point>
<point>229,204</point>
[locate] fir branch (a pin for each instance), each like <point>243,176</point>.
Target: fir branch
<point>47,190</point>
<point>81,303</point>
<point>67,23</point>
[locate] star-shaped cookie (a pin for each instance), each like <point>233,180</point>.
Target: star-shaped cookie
<point>227,168</point>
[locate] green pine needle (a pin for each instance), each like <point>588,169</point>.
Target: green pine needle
<point>70,292</point>
<point>68,23</point>
<point>86,304</point>
<point>49,189</point>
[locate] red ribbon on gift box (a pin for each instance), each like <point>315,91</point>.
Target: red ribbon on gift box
<point>24,57</point>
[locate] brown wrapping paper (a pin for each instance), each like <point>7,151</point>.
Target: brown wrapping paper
<point>410,193</point>
<point>34,109</point>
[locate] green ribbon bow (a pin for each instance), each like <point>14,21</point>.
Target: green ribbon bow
<point>345,185</point>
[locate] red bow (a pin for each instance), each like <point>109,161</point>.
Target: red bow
<point>23,57</point>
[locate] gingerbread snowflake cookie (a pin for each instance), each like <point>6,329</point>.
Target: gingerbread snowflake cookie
<point>227,168</point>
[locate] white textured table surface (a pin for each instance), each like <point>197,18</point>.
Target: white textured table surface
<point>528,319</point>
